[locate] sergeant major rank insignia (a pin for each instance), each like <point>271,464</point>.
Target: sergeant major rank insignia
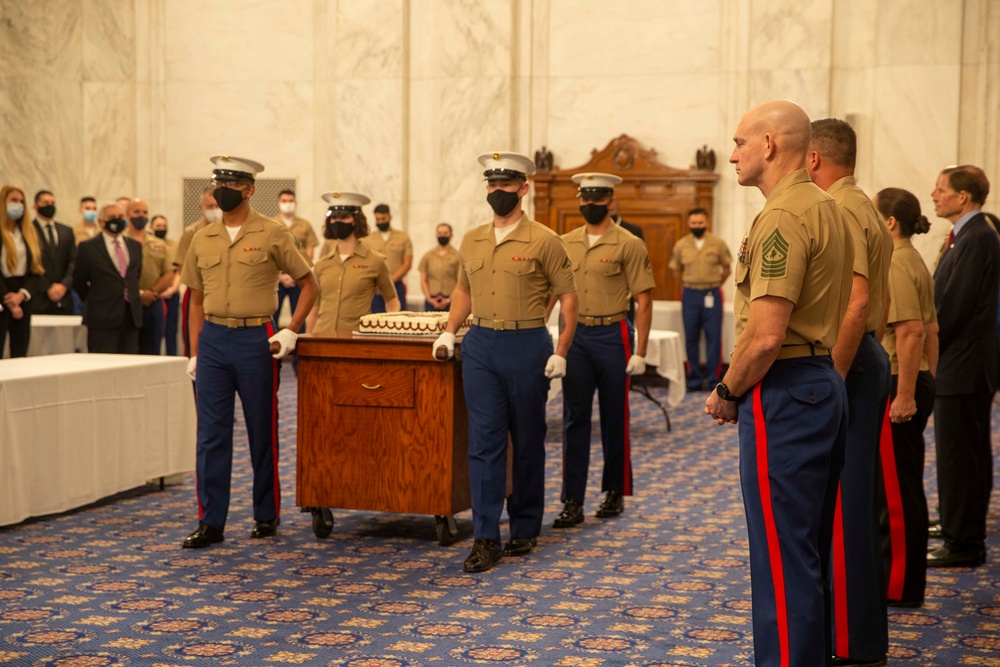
<point>774,258</point>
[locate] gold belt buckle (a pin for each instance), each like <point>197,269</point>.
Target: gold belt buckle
<point>233,322</point>
<point>498,325</point>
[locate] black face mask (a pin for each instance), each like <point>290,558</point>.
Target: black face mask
<point>502,202</point>
<point>443,240</point>
<point>227,198</point>
<point>338,230</point>
<point>139,221</point>
<point>698,232</point>
<point>160,233</point>
<point>382,226</point>
<point>47,211</point>
<point>594,213</point>
<point>115,225</point>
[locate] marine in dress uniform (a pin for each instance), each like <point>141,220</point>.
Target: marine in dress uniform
<point>210,212</point>
<point>397,247</point>
<point>793,281</point>
<point>510,267</point>
<point>860,624</point>
<point>610,265</point>
<point>232,270</point>
<point>350,271</point>
<point>304,235</point>
<point>439,271</point>
<point>700,261</point>
<point>171,296</point>
<point>910,339</point>
<point>157,275</point>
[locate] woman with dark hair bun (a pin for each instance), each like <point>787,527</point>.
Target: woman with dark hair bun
<point>910,338</point>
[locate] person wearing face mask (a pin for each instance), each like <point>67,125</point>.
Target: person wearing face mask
<point>157,276</point>
<point>439,271</point>
<point>58,247</point>
<point>20,271</point>
<point>511,266</point>
<point>350,271</point>
<point>700,261</point>
<point>88,227</point>
<point>210,212</point>
<point>395,244</point>
<point>307,240</point>
<point>231,270</point>
<point>610,265</point>
<point>170,296</point>
<point>106,277</point>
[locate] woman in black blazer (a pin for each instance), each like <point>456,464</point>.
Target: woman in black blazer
<point>20,267</point>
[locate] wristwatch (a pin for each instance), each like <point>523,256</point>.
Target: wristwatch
<point>723,391</point>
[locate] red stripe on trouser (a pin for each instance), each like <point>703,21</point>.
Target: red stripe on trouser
<point>841,647</point>
<point>275,370</point>
<point>627,468</point>
<point>894,506</point>
<point>718,368</point>
<point>773,546</point>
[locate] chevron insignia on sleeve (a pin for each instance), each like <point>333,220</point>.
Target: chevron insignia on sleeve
<point>774,256</point>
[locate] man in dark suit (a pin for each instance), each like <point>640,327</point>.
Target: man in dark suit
<point>107,279</point>
<point>966,290</point>
<point>58,249</point>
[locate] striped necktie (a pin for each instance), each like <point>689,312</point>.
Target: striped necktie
<point>122,262</point>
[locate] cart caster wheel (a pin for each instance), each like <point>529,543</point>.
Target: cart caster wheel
<point>447,530</point>
<point>322,522</point>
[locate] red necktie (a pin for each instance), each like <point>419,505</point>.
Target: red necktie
<point>951,238</point>
<point>122,262</point>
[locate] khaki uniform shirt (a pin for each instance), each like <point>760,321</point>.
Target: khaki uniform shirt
<point>911,296</point>
<point>156,260</point>
<point>182,246</point>
<point>240,277</point>
<point>346,287</point>
<point>441,269</point>
<point>395,249</point>
<point>701,268</point>
<point>84,232</point>
<point>872,244</point>
<point>303,232</point>
<point>610,271</point>
<point>798,248</point>
<point>513,280</point>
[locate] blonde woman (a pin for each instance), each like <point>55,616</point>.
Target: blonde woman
<point>20,267</point>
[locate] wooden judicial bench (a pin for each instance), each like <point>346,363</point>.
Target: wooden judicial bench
<point>381,426</point>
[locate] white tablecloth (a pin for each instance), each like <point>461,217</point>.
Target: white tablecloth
<point>667,316</point>
<point>664,351</point>
<point>75,428</point>
<point>57,334</point>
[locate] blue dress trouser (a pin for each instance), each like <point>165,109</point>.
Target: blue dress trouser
<point>172,314</point>
<point>793,430</point>
<point>230,362</point>
<point>378,301</point>
<point>698,318</point>
<point>596,362</point>
<point>505,392</point>
<point>151,335</point>
<point>860,625</point>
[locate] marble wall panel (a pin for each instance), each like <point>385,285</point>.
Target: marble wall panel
<point>109,38</point>
<point>41,39</point>
<point>461,38</point>
<point>809,88</point>
<point>852,96</point>
<point>359,39</point>
<point>790,33</point>
<point>918,32</point>
<point>238,40</point>
<point>855,33</point>
<point>596,38</point>
<point>109,140</point>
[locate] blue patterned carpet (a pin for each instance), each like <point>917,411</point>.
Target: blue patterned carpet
<point>666,584</point>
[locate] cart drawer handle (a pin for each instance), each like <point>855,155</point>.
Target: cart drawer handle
<point>378,386</point>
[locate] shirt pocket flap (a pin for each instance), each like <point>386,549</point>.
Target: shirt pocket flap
<point>811,392</point>
<point>473,265</point>
<point>611,268</point>
<point>742,270</point>
<point>253,258</point>
<point>520,268</point>
<point>208,261</point>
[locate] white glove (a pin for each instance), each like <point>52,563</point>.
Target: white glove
<point>286,342</point>
<point>555,367</point>
<point>636,365</point>
<point>447,341</point>
<point>192,364</point>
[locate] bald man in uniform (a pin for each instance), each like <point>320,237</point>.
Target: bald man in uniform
<point>793,281</point>
<point>510,268</point>
<point>610,265</point>
<point>860,624</point>
<point>210,212</point>
<point>232,271</point>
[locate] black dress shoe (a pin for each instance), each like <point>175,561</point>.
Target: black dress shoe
<point>612,505</point>
<point>485,554</point>
<point>571,515</point>
<point>851,662</point>
<point>944,556</point>
<point>905,604</point>
<point>934,531</point>
<point>204,536</point>
<point>519,546</point>
<point>264,529</point>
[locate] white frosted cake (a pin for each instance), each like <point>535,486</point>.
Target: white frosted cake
<point>404,323</point>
